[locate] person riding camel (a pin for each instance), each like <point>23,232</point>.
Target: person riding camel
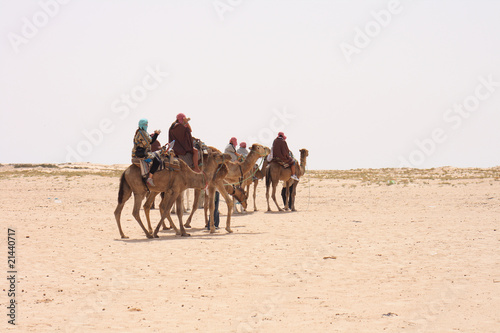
<point>282,154</point>
<point>231,149</point>
<point>180,131</point>
<point>142,147</point>
<point>243,151</point>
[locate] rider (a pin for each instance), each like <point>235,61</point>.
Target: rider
<point>282,153</point>
<point>243,151</point>
<point>180,131</point>
<point>231,149</point>
<point>142,147</point>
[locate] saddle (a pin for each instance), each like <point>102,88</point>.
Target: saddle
<point>167,161</point>
<point>280,162</point>
<point>202,150</point>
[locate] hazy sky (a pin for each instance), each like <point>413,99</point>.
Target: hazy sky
<point>358,83</point>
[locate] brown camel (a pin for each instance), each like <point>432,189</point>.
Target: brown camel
<point>170,182</point>
<point>252,177</point>
<point>276,172</point>
<point>235,191</point>
<point>236,171</point>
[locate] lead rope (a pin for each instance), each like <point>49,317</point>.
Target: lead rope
<point>251,175</point>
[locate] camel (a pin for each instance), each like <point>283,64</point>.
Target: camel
<point>276,172</point>
<point>236,171</point>
<point>252,177</point>
<point>236,192</point>
<point>170,182</point>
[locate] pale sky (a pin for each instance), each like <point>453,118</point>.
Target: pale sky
<point>360,84</point>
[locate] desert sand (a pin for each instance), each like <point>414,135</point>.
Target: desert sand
<point>367,251</point>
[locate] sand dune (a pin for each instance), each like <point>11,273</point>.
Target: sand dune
<point>368,251</point>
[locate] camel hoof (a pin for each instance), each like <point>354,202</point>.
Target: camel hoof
<point>155,236</point>
<point>229,230</point>
<point>212,231</point>
<point>166,228</point>
<point>185,235</point>
<point>187,225</point>
<point>150,236</point>
<point>124,237</point>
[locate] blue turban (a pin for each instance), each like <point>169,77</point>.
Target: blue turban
<point>143,124</point>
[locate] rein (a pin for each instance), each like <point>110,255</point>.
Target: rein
<point>251,175</point>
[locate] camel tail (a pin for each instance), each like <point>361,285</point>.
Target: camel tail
<point>123,184</point>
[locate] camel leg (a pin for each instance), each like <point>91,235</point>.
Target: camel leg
<point>180,213</point>
<point>255,183</point>
<point>160,207</point>
<point>138,197</point>
<point>205,208</point>
<point>162,195</point>
<point>294,192</point>
<point>273,195</point>
<point>267,194</point>
<point>186,202</point>
<point>168,200</point>
<point>229,202</point>
<point>195,207</point>
<point>211,205</point>
<point>287,195</point>
<point>147,208</point>
<point>166,204</point>
<point>119,208</point>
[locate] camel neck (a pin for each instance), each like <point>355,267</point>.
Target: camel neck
<point>303,160</point>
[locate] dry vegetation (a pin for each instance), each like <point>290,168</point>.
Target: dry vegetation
<point>65,170</point>
<point>393,176</point>
<point>388,176</point>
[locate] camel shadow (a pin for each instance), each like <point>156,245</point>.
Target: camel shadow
<point>204,234</point>
<point>278,212</point>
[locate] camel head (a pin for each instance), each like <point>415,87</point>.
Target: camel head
<point>304,153</point>
<point>260,149</point>
<point>240,195</point>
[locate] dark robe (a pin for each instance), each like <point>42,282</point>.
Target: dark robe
<point>183,139</point>
<point>281,151</point>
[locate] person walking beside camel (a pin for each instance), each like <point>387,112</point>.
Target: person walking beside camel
<point>142,147</point>
<point>180,131</point>
<point>282,154</point>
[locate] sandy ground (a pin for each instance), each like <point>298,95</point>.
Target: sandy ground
<point>360,255</point>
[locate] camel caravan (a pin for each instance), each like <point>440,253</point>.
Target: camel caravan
<point>187,163</point>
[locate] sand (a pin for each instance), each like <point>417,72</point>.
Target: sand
<point>367,251</point>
